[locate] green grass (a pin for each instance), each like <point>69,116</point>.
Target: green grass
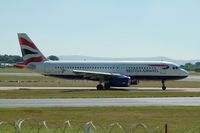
<point>184,118</point>
<point>91,94</point>
<point>13,77</point>
<point>78,83</point>
<point>66,83</point>
<point>172,84</point>
<point>14,70</point>
<point>194,73</point>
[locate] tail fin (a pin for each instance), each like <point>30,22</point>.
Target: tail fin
<point>29,51</point>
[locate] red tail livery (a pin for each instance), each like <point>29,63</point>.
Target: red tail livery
<point>30,52</point>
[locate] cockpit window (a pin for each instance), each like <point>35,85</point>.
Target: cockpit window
<point>175,67</point>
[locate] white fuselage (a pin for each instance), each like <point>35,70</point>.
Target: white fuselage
<point>146,70</point>
<point>111,73</point>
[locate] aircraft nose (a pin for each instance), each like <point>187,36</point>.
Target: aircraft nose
<point>184,73</point>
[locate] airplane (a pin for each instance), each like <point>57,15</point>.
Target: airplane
<point>107,73</point>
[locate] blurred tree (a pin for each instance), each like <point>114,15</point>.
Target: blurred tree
<point>197,63</point>
<point>10,58</point>
<point>192,67</point>
<point>197,70</point>
<point>53,57</point>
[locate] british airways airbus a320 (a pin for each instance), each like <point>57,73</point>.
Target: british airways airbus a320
<point>109,73</point>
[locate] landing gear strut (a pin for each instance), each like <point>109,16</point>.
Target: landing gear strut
<point>106,86</point>
<point>163,85</point>
<point>100,86</point>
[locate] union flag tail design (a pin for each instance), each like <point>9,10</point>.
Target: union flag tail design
<point>29,51</point>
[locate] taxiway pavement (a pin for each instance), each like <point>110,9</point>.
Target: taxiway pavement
<point>100,102</point>
<point>94,88</point>
<point>20,74</point>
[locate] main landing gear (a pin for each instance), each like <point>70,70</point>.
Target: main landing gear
<point>101,87</point>
<point>163,85</point>
<point>106,86</point>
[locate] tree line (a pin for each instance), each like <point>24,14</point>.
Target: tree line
<point>10,58</point>
<point>16,58</point>
<point>191,67</point>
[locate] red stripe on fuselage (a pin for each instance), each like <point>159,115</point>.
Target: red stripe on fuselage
<point>34,59</point>
<point>18,66</point>
<point>157,65</point>
<point>20,63</point>
<point>23,41</point>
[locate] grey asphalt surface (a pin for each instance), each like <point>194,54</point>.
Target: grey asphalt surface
<point>20,74</point>
<point>192,78</point>
<point>88,102</point>
<point>94,88</point>
<point>100,102</point>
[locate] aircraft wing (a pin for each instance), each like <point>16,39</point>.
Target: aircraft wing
<point>95,74</point>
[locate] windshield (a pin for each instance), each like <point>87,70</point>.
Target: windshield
<point>175,67</point>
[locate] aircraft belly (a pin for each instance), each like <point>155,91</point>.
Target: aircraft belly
<point>158,77</point>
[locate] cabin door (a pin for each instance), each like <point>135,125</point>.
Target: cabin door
<point>163,71</point>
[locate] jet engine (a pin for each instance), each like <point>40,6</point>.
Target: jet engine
<point>121,81</point>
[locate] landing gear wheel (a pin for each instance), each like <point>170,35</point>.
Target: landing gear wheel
<point>107,86</point>
<point>164,88</point>
<point>163,85</point>
<point>99,87</point>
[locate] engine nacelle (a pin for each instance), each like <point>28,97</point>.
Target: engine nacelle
<point>122,81</point>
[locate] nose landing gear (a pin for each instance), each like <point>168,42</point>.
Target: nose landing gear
<point>163,85</point>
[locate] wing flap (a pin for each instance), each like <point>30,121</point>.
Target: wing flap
<point>95,74</point>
